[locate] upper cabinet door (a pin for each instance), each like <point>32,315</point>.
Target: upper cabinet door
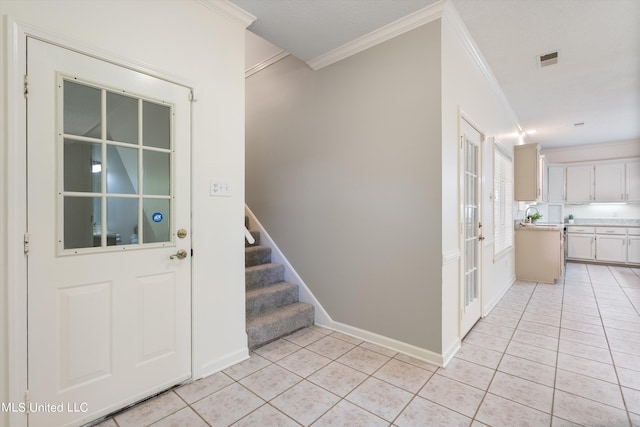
<point>609,181</point>
<point>555,187</point>
<point>633,181</point>
<point>579,184</point>
<point>526,166</point>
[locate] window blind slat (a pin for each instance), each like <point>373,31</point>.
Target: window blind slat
<point>502,201</point>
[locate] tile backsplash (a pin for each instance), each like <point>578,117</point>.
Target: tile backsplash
<point>627,214</point>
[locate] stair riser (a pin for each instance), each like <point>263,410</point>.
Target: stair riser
<point>270,300</point>
<point>263,276</point>
<point>263,333</point>
<point>256,256</point>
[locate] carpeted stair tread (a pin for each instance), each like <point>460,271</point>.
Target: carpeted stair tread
<point>263,275</point>
<point>262,300</point>
<point>272,305</point>
<point>256,255</point>
<point>269,326</point>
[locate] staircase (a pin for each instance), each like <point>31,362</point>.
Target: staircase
<point>272,305</point>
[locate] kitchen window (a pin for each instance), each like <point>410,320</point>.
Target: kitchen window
<point>502,200</point>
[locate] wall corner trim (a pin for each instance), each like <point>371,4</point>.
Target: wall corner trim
<point>229,11</point>
<point>387,32</point>
<point>451,16</point>
<point>267,62</point>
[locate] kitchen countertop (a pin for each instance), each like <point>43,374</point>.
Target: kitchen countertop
<point>540,226</point>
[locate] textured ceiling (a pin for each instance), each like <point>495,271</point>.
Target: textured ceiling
<point>596,80</point>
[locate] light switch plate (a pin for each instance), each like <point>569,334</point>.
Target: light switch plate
<point>219,188</point>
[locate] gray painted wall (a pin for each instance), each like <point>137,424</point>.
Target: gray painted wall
<point>343,168</point>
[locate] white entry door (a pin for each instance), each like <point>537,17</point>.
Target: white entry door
<point>472,227</point>
<point>109,303</point>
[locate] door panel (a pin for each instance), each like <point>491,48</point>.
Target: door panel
<point>472,237</point>
<point>109,310</point>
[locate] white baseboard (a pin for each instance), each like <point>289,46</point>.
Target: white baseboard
<point>323,319</point>
<point>222,363</point>
<point>496,299</point>
<point>451,351</point>
<point>390,343</point>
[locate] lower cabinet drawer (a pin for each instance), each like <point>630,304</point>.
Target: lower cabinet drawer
<point>611,230</point>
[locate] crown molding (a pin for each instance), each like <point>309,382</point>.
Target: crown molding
<point>229,11</point>
<point>451,16</point>
<point>267,62</point>
<point>380,35</point>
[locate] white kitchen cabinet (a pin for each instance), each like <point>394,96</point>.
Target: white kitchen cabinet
<point>555,184</point>
<point>581,246</point>
<point>527,173</point>
<point>633,181</point>
<point>633,250</point>
<point>633,245</point>
<point>611,244</point>
<point>579,184</point>
<point>610,182</point>
<point>581,243</point>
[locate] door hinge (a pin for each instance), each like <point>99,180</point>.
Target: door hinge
<point>191,252</point>
<point>26,86</point>
<point>26,401</point>
<point>27,238</point>
<point>192,96</point>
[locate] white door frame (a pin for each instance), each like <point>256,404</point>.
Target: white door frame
<point>16,194</point>
<point>461,194</point>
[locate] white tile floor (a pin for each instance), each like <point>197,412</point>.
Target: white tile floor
<point>563,355</point>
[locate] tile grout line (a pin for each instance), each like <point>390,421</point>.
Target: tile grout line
<point>606,336</point>
<point>486,392</point>
<point>414,395</point>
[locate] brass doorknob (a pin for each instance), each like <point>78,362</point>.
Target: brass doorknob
<point>181,254</point>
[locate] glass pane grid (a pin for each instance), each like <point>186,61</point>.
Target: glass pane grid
<point>471,221</point>
<point>116,185</point>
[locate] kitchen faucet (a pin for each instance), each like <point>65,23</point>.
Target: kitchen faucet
<point>526,212</point>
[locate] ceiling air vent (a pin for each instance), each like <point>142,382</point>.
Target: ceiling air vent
<point>548,59</point>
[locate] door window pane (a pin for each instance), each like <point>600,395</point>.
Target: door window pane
<point>156,125</point>
<point>79,223</point>
<point>157,218</point>
<point>122,221</point>
<point>122,170</point>
<point>126,179</point>
<point>122,118</point>
<point>82,166</point>
<point>156,169</point>
<point>82,110</point>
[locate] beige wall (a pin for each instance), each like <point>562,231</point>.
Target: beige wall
<point>204,49</point>
<point>343,169</point>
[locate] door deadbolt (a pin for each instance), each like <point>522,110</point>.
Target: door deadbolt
<point>182,233</point>
<point>181,254</point>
